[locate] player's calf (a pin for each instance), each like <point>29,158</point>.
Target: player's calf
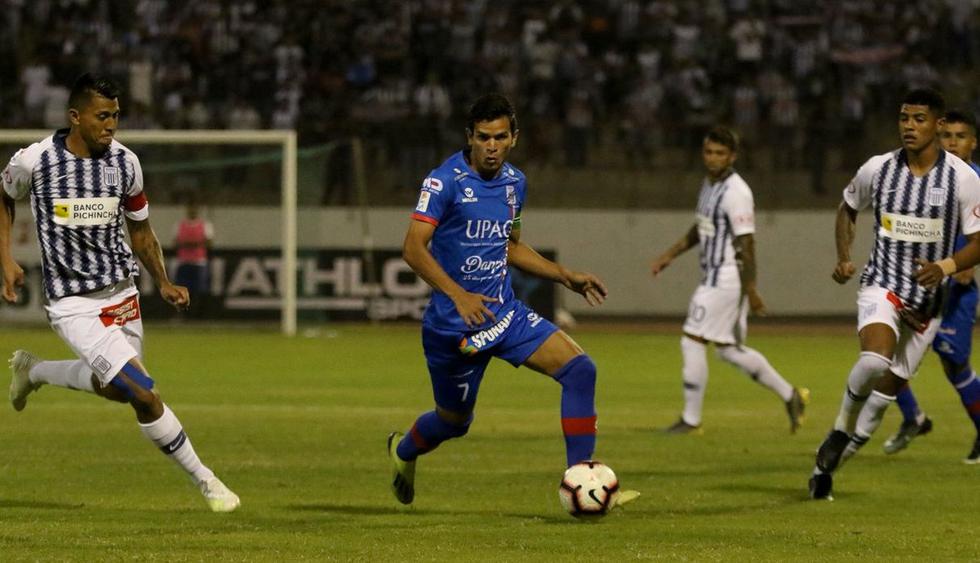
<point>578,416</point>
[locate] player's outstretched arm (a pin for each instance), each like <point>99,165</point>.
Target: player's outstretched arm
<point>147,248</point>
<point>13,274</point>
<point>930,274</point>
<point>680,247</point>
<point>844,238</point>
<point>745,257</point>
<point>527,259</point>
<point>415,251</point>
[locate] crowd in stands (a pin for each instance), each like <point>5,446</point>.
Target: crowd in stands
<point>637,76</point>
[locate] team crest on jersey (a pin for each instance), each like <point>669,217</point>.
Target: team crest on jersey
<point>511,196</point>
<point>469,196</point>
<point>937,196</point>
<point>110,175</point>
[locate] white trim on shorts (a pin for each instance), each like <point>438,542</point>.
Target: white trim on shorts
<point>106,348</point>
<point>873,307</point>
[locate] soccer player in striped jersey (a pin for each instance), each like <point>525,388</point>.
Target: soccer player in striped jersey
<point>955,337</point>
<point>719,307</point>
<point>464,236</point>
<point>922,197</point>
<point>81,184</point>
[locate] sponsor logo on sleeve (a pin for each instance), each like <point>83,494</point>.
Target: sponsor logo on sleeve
<point>433,184</point>
<point>423,204</point>
<point>511,196</point>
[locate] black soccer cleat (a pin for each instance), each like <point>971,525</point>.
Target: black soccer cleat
<point>821,486</point>
<point>831,450</point>
<point>973,458</point>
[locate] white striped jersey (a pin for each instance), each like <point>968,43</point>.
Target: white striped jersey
<point>78,205</point>
<point>725,211</point>
<point>914,218</point>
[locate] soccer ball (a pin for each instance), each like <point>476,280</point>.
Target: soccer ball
<point>588,489</point>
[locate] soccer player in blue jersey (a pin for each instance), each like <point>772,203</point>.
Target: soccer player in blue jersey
<point>81,183</point>
<point>954,339</point>
<point>723,231</point>
<point>922,198</point>
<point>469,211</point>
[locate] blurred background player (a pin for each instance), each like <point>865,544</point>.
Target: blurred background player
<point>922,198</point>
<point>192,240</point>
<point>469,209</point>
<point>717,313</point>
<point>955,336</point>
<point>81,182</point>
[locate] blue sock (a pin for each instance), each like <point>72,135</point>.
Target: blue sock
<point>577,379</point>
<point>428,432</point>
<point>907,403</point>
<point>968,386</point>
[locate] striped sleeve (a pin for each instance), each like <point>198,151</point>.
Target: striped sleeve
<point>136,205</point>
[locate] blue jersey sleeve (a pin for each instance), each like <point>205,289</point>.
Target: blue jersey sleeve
<point>435,198</point>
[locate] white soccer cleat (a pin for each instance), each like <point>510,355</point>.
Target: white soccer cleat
<point>218,496</point>
<point>20,382</point>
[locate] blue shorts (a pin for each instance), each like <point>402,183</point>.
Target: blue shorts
<point>457,360</point>
<point>955,336</point>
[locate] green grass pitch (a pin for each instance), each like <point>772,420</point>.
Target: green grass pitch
<point>297,428</point>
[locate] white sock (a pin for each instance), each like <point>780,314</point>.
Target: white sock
<point>866,371</point>
<point>695,379</point>
<point>73,374</point>
<point>868,421</point>
<point>168,435</point>
<point>756,366</point>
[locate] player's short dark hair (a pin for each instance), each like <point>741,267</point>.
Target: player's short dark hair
<point>489,107</point>
<point>962,116</point>
<point>88,84</point>
<point>926,97</point>
<point>723,136</point>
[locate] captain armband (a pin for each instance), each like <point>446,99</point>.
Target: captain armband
<point>948,266</point>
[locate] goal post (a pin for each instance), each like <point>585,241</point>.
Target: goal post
<point>286,139</point>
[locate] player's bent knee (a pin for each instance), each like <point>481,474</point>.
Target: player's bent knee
<point>454,424</point>
<point>726,353</point>
<point>109,392</point>
<point>579,372</point>
<point>874,362</point>
<point>136,386</point>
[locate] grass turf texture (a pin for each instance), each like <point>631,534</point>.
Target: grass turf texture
<point>297,428</point>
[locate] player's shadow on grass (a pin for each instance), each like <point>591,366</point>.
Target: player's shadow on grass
<point>390,510</point>
<point>37,504</point>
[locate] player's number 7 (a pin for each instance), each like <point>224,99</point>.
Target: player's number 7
<point>466,390</point>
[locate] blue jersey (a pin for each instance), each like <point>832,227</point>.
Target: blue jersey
<point>473,218</point>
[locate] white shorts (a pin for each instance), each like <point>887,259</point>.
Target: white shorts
<point>875,306</point>
<point>103,328</point>
<point>718,315</point>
